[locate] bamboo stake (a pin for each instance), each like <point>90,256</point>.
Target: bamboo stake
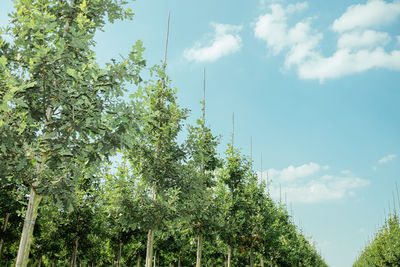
<point>166,41</point>
<point>199,238</point>
<point>261,167</point>
<point>233,128</point>
<point>150,235</point>
<point>204,96</point>
<point>398,197</point>
<point>251,153</point>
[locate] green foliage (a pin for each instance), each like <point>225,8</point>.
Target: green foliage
<point>62,116</point>
<point>157,155</point>
<point>58,104</point>
<point>384,250</point>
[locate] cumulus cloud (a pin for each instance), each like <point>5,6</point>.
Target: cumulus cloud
<point>372,14</point>
<point>387,158</point>
<point>292,172</point>
<point>310,183</point>
<point>226,40</point>
<point>365,39</point>
<point>272,27</point>
<point>359,48</point>
<point>345,62</point>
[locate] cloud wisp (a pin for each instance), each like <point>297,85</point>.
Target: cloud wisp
<point>310,183</point>
<point>384,160</point>
<point>387,158</point>
<point>225,41</point>
<point>360,47</point>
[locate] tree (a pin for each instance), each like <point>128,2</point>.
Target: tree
<point>57,101</point>
<point>199,198</point>
<point>157,156</point>
<point>125,200</point>
<point>233,180</point>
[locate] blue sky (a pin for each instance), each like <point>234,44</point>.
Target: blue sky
<point>314,83</point>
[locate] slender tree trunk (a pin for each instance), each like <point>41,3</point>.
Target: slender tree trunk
<point>149,250</point>
<point>179,261</point>
<point>39,262</point>
<point>4,231</point>
<point>262,260</point>
<point>53,264</point>
<point>119,254</point>
<point>138,260</point>
<point>251,257</point>
<point>74,253</point>
<point>155,259</point>
<point>92,263</point>
<point>27,231</point>
<point>199,247</point>
<point>272,262</point>
<point>229,255</point>
<point>150,235</point>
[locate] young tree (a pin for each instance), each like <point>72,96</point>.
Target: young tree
<point>157,156</point>
<point>125,200</point>
<point>234,176</point>
<point>56,100</point>
<point>199,198</point>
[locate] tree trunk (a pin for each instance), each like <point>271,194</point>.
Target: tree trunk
<point>53,264</point>
<point>149,250</point>
<point>199,246</point>
<point>155,259</point>
<point>262,260</point>
<point>251,258</point>
<point>39,262</point>
<point>138,260</point>
<point>229,256</point>
<point>27,231</point>
<point>179,261</point>
<point>74,253</point>
<point>272,262</point>
<point>4,231</point>
<point>119,254</point>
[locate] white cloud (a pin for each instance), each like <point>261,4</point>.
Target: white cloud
<point>309,183</point>
<point>292,172</point>
<point>226,40</point>
<point>358,49</point>
<point>345,62</point>
<point>387,158</point>
<point>372,14</point>
<point>366,39</point>
<point>398,39</point>
<point>297,7</point>
<point>272,27</point>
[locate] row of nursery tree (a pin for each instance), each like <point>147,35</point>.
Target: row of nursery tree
<point>384,249</point>
<point>63,118</point>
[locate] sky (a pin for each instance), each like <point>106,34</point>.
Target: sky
<point>315,85</point>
